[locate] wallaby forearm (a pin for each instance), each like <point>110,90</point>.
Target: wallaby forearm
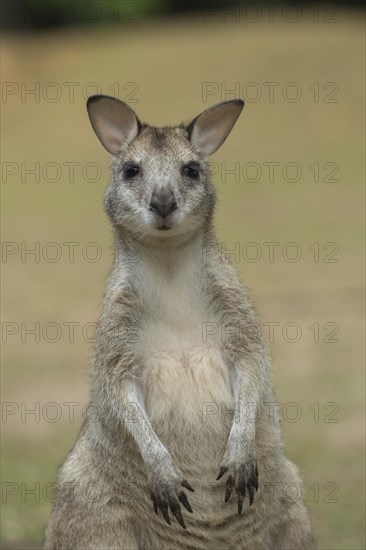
<point>241,334</point>
<point>245,350</point>
<point>115,362</point>
<point>132,412</point>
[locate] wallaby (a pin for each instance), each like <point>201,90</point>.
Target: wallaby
<point>181,396</point>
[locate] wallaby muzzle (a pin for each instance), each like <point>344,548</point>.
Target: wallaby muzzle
<point>163,202</point>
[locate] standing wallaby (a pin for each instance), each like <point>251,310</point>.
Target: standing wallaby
<point>181,391</point>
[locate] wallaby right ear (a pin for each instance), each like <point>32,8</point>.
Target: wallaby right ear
<point>208,131</point>
<point>114,122</point>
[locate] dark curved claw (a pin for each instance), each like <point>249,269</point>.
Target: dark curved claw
<point>229,488</point>
<point>241,494</point>
<point>155,503</point>
<point>184,500</point>
<point>176,511</point>
<point>187,486</point>
<point>164,510</point>
<point>254,478</point>
<point>253,483</point>
<point>222,471</point>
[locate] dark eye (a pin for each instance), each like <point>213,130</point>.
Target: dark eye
<point>130,170</point>
<point>192,171</point>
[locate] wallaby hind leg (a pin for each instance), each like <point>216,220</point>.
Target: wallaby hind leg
<point>79,527</point>
<point>295,531</point>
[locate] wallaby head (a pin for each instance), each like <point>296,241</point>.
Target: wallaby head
<point>160,179</point>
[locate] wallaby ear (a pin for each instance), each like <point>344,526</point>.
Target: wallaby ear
<point>114,122</point>
<point>208,131</point>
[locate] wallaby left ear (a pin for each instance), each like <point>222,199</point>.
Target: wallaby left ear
<point>208,131</point>
<point>114,122</point>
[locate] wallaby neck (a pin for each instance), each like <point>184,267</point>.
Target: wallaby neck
<point>167,252</point>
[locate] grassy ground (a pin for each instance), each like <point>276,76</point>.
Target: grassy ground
<point>165,67</point>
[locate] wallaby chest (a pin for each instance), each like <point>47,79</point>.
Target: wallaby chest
<point>184,375</point>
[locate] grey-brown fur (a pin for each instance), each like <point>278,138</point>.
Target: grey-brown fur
<point>181,385</point>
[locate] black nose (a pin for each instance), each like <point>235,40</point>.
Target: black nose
<point>163,202</point>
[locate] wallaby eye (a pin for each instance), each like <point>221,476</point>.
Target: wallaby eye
<point>191,170</point>
<point>130,170</point>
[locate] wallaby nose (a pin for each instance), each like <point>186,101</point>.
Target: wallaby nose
<point>163,202</point>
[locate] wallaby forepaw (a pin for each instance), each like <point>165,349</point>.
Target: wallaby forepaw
<point>242,477</point>
<point>168,495</point>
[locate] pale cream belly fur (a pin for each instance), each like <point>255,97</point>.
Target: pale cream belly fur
<point>189,402</point>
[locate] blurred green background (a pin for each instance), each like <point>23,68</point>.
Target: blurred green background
<point>54,175</point>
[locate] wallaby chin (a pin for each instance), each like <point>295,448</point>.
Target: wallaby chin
<point>180,450</point>
<point>172,239</point>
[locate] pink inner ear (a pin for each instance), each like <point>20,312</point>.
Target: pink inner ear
<point>212,127</point>
<point>111,140</point>
<point>114,137</point>
<point>114,123</point>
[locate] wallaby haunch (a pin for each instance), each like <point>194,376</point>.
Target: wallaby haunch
<point>181,395</point>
